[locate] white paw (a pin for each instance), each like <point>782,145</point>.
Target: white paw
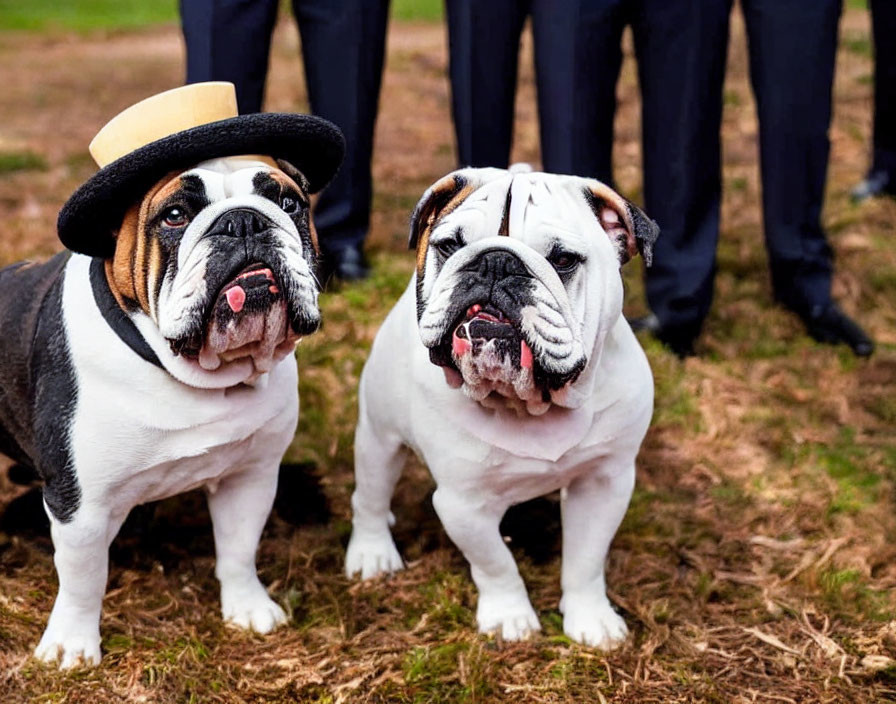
<point>593,621</point>
<point>70,650</point>
<point>256,611</point>
<point>511,615</point>
<point>371,555</point>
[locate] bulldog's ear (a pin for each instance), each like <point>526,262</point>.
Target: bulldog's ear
<point>295,175</point>
<point>439,200</point>
<point>627,226</point>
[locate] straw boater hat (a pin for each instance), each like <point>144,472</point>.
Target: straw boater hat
<point>178,129</point>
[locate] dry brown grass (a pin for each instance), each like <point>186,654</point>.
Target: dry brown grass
<point>756,563</point>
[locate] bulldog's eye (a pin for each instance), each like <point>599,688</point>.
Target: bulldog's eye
<point>564,262</point>
<point>175,217</point>
<point>289,205</point>
<point>446,248</point>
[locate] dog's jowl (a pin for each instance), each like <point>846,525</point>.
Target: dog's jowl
<point>165,362</point>
<point>508,367</point>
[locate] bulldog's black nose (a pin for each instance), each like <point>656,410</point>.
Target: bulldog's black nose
<point>497,264</point>
<point>240,222</point>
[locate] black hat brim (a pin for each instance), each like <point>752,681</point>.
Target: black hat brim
<point>89,219</point>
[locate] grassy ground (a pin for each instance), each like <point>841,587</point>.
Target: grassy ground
<point>756,562</point>
<point>92,15</point>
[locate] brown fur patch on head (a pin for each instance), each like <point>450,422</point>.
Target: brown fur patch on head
<point>440,199</point>
<point>630,230</point>
<point>297,182</point>
<point>297,176</point>
<point>284,180</point>
<point>134,272</point>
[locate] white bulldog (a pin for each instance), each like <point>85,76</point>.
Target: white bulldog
<point>166,367</point>
<point>507,366</point>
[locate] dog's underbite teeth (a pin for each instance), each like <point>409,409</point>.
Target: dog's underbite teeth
<point>493,360</point>
<point>481,325</point>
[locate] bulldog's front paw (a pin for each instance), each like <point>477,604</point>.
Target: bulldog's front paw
<point>69,649</point>
<point>593,622</point>
<point>371,555</point>
<point>256,611</point>
<point>510,615</point>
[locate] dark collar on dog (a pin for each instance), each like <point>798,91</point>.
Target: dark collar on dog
<point>116,318</point>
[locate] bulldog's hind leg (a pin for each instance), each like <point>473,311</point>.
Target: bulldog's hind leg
<point>593,507</point>
<point>473,525</point>
<point>239,507</point>
<point>379,459</point>
<point>81,557</point>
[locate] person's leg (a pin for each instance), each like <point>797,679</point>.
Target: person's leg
<point>881,177</point>
<point>229,40</point>
<point>484,45</point>
<point>343,47</point>
<point>681,48</point>
<point>793,84</point>
<point>883,17</point>
<point>577,60</point>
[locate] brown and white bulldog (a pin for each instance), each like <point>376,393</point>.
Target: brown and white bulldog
<point>165,367</point>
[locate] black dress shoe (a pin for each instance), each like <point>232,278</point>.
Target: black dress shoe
<point>832,326</point>
<point>346,264</point>
<point>876,183</point>
<point>678,340</point>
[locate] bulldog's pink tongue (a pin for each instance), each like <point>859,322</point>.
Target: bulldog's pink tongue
<point>459,345</point>
<point>236,298</point>
<point>525,355</point>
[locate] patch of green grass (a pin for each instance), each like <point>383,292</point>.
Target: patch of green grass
<point>192,648</point>
<point>732,97</point>
<point>117,643</point>
<point>756,341</point>
<point>674,403</point>
<point>451,672</point>
<point>750,267</point>
<point>845,462</point>
<point>859,44</point>
<point>641,520</point>
<point>883,281</point>
<point>89,15</point>
<point>84,15</point>
<point>444,599</point>
<point>553,628</point>
<point>704,585</point>
<point>738,183</point>
<point>578,672</point>
<point>177,662</point>
<point>292,601</point>
<point>729,493</point>
<point>430,10</point>
<point>21,161</point>
<point>424,664</point>
<point>846,592</point>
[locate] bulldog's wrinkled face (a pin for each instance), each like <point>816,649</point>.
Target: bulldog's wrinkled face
<point>518,280</point>
<point>220,257</point>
